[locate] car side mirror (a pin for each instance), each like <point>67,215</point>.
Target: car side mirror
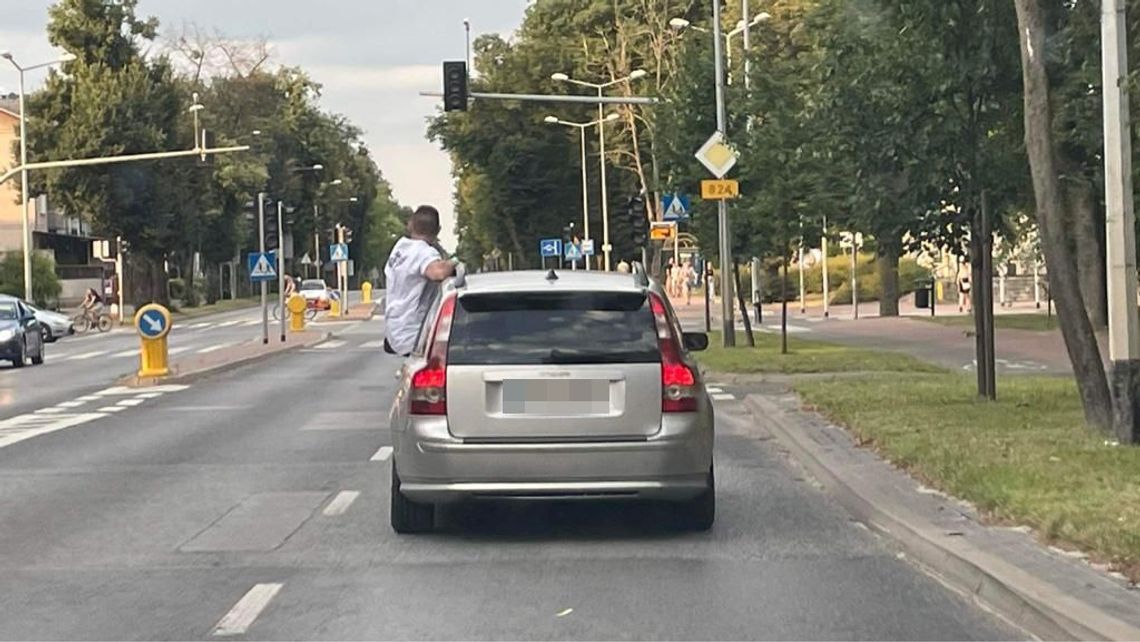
<point>696,341</point>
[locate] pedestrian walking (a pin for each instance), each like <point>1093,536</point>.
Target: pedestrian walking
<point>964,303</point>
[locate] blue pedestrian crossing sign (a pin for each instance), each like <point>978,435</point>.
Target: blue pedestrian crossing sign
<point>153,322</point>
<point>262,266</point>
<point>338,252</point>
<point>675,207</point>
<point>550,247</point>
<point>573,253</point>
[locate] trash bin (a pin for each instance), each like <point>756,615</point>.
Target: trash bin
<point>922,297</point>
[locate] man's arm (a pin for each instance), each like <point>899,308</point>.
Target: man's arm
<point>439,270</point>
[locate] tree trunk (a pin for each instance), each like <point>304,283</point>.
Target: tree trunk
<point>889,250</point>
<point>749,337</point>
<point>1065,285</point>
<point>147,281</point>
<point>1087,225</point>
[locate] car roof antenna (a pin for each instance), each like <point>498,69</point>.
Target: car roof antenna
<point>551,276</point>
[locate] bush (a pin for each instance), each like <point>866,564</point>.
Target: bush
<point>911,277</point>
<point>45,284</point>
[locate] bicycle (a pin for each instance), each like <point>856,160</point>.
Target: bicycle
<point>86,319</point>
<point>310,313</point>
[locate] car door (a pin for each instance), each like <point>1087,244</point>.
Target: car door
<point>33,337</point>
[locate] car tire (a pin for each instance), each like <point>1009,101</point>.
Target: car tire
<point>21,360</point>
<point>699,513</point>
<point>38,358</point>
<point>48,336</point>
<point>408,516</point>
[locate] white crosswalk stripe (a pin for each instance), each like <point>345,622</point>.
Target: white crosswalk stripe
<point>229,323</point>
<point>329,345</point>
<point>200,326</point>
<point>87,355</point>
<point>253,322</point>
<point>373,344</point>
<point>214,348</point>
<point>126,353</point>
<point>178,350</point>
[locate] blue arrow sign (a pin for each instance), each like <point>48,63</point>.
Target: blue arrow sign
<point>550,247</point>
<point>338,252</point>
<point>262,266</point>
<point>151,324</point>
<point>675,207</point>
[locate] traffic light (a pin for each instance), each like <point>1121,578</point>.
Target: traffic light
<point>638,224</point>
<point>271,230</point>
<point>347,235</point>
<point>455,85</point>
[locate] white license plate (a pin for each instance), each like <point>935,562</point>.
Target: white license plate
<point>556,397</point>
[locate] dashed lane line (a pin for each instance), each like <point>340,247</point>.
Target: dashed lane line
<point>340,503</point>
<point>86,355</point>
<point>373,344</point>
<point>329,345</point>
<point>214,348</point>
<point>723,397</point>
<point>245,612</point>
<point>383,454</point>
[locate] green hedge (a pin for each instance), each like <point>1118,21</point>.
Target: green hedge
<point>839,279</point>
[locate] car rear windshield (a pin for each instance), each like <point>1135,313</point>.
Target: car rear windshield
<point>553,328</point>
<point>313,285</point>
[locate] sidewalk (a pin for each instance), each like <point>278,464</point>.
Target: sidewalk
<point>194,367</point>
<point>952,347</point>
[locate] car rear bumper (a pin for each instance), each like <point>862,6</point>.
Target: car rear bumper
<point>436,467</point>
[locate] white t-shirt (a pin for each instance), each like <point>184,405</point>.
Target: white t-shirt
<point>404,303</point>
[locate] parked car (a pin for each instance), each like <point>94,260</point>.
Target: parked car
<point>20,335</point>
<point>316,294</point>
<point>53,325</point>
<point>552,386</point>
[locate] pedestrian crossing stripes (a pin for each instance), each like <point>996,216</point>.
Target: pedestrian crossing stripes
<point>373,344</point>
<point>330,345</point>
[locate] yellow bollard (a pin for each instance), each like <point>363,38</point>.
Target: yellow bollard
<point>296,305</point>
<point>366,292</point>
<point>334,308</point>
<point>153,324</point>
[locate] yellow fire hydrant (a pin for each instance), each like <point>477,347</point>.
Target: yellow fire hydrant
<point>296,305</point>
<point>366,292</point>
<point>153,325</point>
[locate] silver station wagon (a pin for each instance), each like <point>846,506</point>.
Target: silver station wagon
<point>552,385</point>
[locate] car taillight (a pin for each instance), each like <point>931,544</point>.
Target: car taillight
<point>678,383</point>
<point>428,393</point>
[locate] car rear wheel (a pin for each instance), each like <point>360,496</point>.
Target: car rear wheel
<point>699,513</point>
<point>409,516</point>
<point>48,336</point>
<point>38,358</point>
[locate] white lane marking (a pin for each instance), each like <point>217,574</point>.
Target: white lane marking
<point>178,350</point>
<point>383,454</point>
<point>48,411</point>
<point>255,322</point>
<point>230,323</point>
<point>21,427</point>
<point>70,404</point>
<point>126,353</point>
<point>723,397</point>
<point>329,345</point>
<point>340,503</point>
<point>199,326</point>
<point>87,398</point>
<point>150,395</point>
<point>373,344</point>
<point>112,408</point>
<point>86,355</point>
<point>242,615</point>
<point>213,348</point>
<point>123,390</point>
<point>131,402</point>
<point>714,390</point>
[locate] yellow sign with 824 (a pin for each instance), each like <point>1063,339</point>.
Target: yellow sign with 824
<point>719,190</point>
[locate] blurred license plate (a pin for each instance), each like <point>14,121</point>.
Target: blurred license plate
<point>557,397</point>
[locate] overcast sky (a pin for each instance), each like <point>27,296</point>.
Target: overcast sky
<point>372,56</point>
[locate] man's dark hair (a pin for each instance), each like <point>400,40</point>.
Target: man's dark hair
<point>424,222</point>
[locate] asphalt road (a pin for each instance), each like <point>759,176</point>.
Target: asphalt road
<point>254,504</point>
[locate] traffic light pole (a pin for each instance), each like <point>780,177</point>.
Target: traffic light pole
<point>728,322</point>
<point>281,269</point>
<point>264,285</point>
<point>342,274</point>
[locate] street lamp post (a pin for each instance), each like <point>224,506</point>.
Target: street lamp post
<point>742,27</point>
<point>601,87</point>
<point>582,127</point>
<point>25,203</point>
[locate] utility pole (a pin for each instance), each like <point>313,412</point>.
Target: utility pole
<point>1120,219</point>
<point>264,285</point>
<point>826,295</point>
<point>728,321</point>
<point>281,268</point>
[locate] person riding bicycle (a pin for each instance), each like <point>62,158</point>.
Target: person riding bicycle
<point>92,304</point>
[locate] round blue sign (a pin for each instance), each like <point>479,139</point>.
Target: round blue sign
<point>153,321</point>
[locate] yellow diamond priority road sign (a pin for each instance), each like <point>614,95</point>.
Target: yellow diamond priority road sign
<point>716,155</point>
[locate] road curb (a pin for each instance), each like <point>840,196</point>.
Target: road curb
<point>134,381</point>
<point>1041,608</point>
